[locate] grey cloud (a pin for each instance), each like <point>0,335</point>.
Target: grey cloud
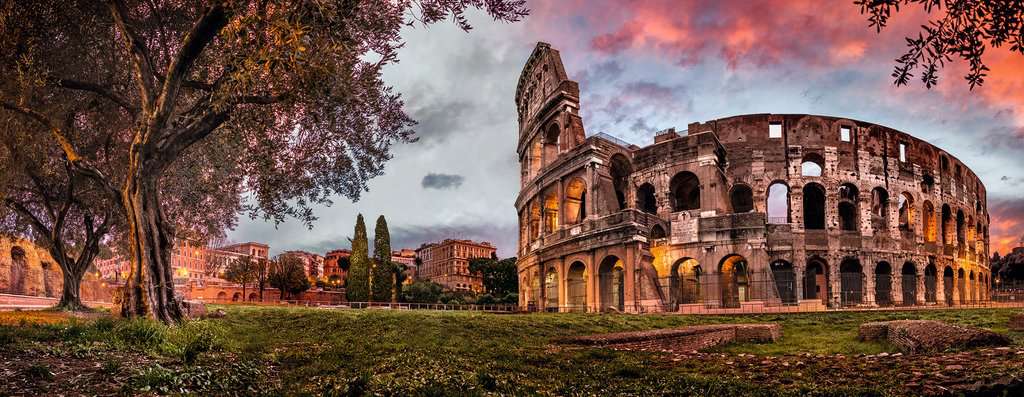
<point>442,181</point>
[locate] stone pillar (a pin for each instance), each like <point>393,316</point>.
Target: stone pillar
<point>593,303</point>
<point>896,285</point>
<point>940,285</point>
<point>956,286</point>
<point>561,203</point>
<point>920,284</point>
<point>868,272</point>
<point>798,280</point>
<point>629,287</point>
<point>591,196</point>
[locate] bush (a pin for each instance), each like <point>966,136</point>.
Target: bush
<point>141,333</point>
<point>422,292</point>
<point>194,338</point>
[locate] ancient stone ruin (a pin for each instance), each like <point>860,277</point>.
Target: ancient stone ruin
<point>744,213</point>
<point>928,336</point>
<point>684,339</point>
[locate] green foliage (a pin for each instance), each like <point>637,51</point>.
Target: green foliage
<point>242,271</point>
<point>383,272</point>
<point>192,338</point>
<point>288,275</point>
<point>140,333</point>
<point>422,291</point>
<point>499,276</point>
<point>357,283</point>
<point>39,372</point>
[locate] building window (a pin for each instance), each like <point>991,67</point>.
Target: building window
<point>903,152</point>
<point>844,133</point>
<point>775,130</point>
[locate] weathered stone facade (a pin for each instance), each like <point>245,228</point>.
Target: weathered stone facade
<point>26,269</point>
<point>740,212</point>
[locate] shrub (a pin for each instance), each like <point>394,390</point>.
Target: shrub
<point>141,333</point>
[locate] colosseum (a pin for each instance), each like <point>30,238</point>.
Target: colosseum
<point>755,212</point>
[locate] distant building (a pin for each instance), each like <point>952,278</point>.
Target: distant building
<point>258,250</point>
<point>406,257</point>
<point>312,264</point>
<point>447,263</point>
<point>336,265</point>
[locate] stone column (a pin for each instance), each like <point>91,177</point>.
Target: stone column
<point>868,272</point>
<point>940,285</point>
<point>592,299</point>
<point>629,287</point>
<point>561,203</point>
<point>798,280</point>
<point>563,286</point>
<point>920,284</point>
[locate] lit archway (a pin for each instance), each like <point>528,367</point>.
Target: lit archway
<point>930,230</point>
<point>550,212</point>
<point>576,287</point>
<point>687,275</point>
<point>575,201</point>
<point>879,209</point>
<point>551,289</point>
<point>947,285</point>
<point>734,280</point>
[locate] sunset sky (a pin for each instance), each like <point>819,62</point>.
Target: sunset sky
<point>646,66</point>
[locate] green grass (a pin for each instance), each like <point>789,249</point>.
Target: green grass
<point>350,352</point>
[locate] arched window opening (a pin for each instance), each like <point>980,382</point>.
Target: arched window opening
<point>689,274</point>
<point>646,199</point>
<point>658,232</point>
<point>735,289</point>
<point>576,287</point>
<point>930,229</point>
<point>551,289</point>
<point>785,281</point>
<point>930,283</point>
<point>848,207</point>
<point>535,158</point>
<point>943,166</point>
<point>550,212</point>
<point>812,165</point>
<point>685,189</point>
<point>947,285</point>
<point>883,284</point>
<point>948,227</point>
<point>620,172</point>
<point>575,201</point>
<point>906,208</point>
<point>909,284</point>
<point>961,285</point>
<point>973,297</point>
<point>879,209</point>
<point>814,207</point>
<point>742,198</point>
<point>611,284</point>
<point>551,138</point>
<point>851,282</point>
<point>778,203</point>
<point>927,183</point>
<point>534,221</point>
<point>816,280</point>
<point>19,270</point>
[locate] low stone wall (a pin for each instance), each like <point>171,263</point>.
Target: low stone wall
<point>924,336</point>
<point>682,339</point>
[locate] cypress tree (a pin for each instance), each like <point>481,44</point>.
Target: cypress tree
<point>382,276</point>
<point>357,284</point>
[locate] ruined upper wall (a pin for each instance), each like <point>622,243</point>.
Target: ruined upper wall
<point>871,149</point>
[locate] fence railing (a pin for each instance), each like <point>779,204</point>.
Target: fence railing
<point>761,307</point>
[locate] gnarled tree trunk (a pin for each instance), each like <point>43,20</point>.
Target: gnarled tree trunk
<point>71,297</point>
<point>150,287</point>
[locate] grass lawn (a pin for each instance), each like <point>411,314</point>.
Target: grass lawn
<point>266,350</point>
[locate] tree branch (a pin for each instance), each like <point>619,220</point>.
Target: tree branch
<point>99,90</point>
<point>201,35</point>
<point>141,62</point>
<point>80,165</point>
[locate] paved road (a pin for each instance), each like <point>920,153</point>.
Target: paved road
<point>25,302</point>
